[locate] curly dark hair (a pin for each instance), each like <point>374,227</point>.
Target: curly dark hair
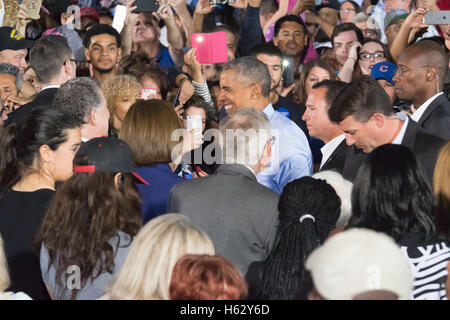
<point>86,212</point>
<point>283,271</point>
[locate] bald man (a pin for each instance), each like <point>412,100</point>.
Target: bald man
<point>422,68</point>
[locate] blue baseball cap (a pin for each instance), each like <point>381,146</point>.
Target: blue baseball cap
<point>384,70</point>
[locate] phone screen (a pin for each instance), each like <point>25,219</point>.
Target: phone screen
<point>146,6</point>
<point>148,93</point>
<point>288,73</point>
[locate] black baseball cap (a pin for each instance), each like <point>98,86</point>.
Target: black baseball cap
<point>107,155</point>
<point>11,39</point>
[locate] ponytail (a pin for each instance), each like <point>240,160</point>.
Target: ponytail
<point>20,143</point>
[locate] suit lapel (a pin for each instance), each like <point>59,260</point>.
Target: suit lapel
<point>409,140</point>
<point>433,105</point>
<point>338,149</point>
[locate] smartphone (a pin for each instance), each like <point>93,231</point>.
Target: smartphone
<point>288,72</point>
<point>147,93</point>
<point>146,6</point>
<point>34,7</point>
<point>120,13</point>
<point>176,101</point>
<point>194,121</point>
<point>437,17</point>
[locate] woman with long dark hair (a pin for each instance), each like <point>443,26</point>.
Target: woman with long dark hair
<point>309,209</point>
<point>91,221</point>
<point>391,195</point>
<point>34,155</point>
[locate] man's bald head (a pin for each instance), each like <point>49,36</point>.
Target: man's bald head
<point>428,53</point>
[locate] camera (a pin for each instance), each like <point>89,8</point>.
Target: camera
<point>221,1</point>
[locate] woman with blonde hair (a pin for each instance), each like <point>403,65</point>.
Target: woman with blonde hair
<point>147,270</point>
<point>120,93</point>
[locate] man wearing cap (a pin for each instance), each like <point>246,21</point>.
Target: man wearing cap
<point>362,110</point>
<point>13,48</point>
<point>316,116</point>
<point>422,68</point>
<point>88,17</point>
<point>383,72</point>
<point>359,264</point>
<point>393,22</point>
<point>379,22</point>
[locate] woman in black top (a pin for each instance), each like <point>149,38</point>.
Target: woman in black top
<point>35,154</point>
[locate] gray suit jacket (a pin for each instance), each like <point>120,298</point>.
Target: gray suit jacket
<point>239,214</point>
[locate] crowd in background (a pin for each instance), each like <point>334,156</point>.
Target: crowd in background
<point>335,183</point>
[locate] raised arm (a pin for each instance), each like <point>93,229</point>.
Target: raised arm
<point>127,31</point>
<point>174,37</point>
<point>182,11</point>
<point>203,8</point>
<point>414,20</point>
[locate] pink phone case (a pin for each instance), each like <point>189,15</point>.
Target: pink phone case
<point>211,47</point>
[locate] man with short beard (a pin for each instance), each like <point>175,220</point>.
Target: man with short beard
<point>102,49</point>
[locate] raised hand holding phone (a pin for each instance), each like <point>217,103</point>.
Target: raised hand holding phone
<point>210,47</point>
<point>148,93</point>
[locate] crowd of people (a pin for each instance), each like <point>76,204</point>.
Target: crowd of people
<point>313,164</point>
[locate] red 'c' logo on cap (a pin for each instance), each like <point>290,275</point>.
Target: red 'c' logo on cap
<point>384,68</point>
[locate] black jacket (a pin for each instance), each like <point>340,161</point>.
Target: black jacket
<point>43,99</point>
<point>424,146</point>
<point>436,118</point>
<point>336,160</point>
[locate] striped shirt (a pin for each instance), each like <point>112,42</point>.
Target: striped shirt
<point>428,262</point>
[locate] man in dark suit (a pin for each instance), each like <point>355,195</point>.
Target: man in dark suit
<point>422,69</point>
<point>319,125</point>
<point>54,64</point>
<point>239,214</point>
<point>363,111</point>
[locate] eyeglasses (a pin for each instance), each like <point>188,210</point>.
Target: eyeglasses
<point>71,60</point>
<point>402,70</point>
<point>367,56</point>
<point>346,10</point>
